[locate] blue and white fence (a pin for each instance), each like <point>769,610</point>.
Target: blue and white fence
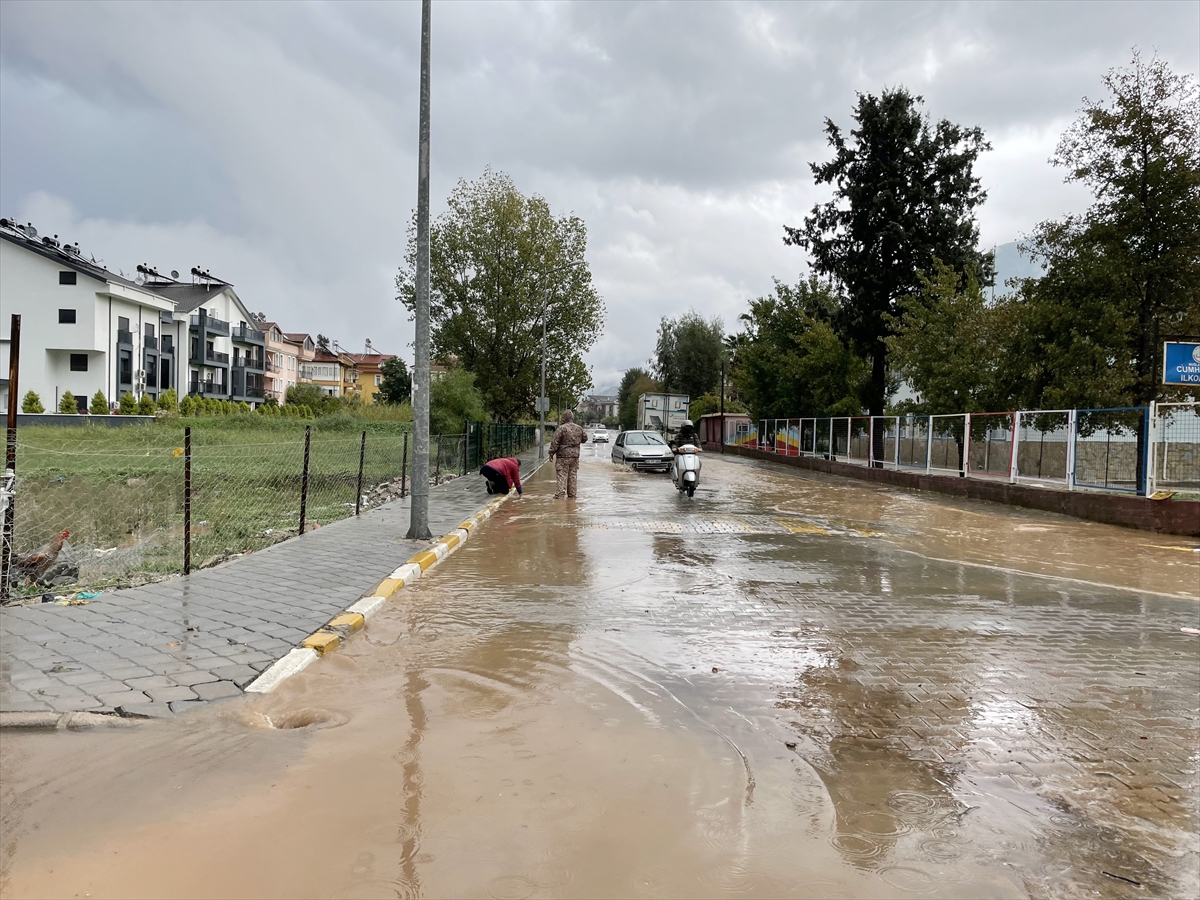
<point>1140,449</point>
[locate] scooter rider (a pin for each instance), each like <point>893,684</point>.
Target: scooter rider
<point>685,435</point>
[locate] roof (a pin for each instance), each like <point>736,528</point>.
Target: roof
<point>71,259</point>
<point>186,297</point>
<point>297,337</point>
<point>370,359</point>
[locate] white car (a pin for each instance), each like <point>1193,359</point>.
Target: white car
<point>642,450</point>
<point>600,437</point>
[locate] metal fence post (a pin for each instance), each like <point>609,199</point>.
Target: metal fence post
<point>966,451</point>
<point>1072,431</point>
<point>187,500</point>
<point>404,467</point>
<point>362,454</point>
<point>1152,448</point>
<point>8,526</point>
<point>304,478</point>
<point>871,442</point>
<point>1015,447</point>
<point>437,472</point>
<point>929,446</point>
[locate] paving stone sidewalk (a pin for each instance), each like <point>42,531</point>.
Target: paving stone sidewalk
<point>164,648</point>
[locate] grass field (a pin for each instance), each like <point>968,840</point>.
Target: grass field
<point>120,491</point>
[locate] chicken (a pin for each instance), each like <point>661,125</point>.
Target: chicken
<point>34,565</point>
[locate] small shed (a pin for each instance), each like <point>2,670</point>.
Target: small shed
<point>709,427</point>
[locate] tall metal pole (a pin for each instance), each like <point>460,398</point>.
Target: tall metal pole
<point>418,523</point>
<point>542,394</point>
<point>722,406</point>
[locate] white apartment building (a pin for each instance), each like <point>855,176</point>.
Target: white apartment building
<point>85,329</point>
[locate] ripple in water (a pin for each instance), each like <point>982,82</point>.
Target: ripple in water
<point>941,851</point>
<point>857,847</point>
<point>511,887</point>
<point>912,804</point>
<point>906,878</point>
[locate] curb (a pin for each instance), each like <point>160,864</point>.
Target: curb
<point>354,618</point>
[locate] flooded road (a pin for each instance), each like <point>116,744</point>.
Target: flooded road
<point>788,686</point>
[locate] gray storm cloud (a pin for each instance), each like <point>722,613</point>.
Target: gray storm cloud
<point>273,143</point>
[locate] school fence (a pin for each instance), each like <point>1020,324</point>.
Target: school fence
<point>1141,450</point>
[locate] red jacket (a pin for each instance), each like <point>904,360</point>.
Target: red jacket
<point>509,468</point>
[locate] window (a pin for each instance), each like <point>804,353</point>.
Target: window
<point>378,380</point>
<point>149,330</point>
<point>79,362</point>
<point>66,316</point>
<point>67,278</point>
<point>165,380</point>
<point>81,404</point>
<point>122,323</point>
<point>151,371</point>
<point>125,372</point>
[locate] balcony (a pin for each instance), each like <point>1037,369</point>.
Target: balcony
<point>274,367</point>
<point>124,337</point>
<point>206,389</point>
<point>168,344</point>
<point>210,358</point>
<point>245,335</point>
<point>150,343</point>
<point>208,323</point>
<point>251,364</point>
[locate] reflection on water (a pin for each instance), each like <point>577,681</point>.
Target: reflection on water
<point>776,689</point>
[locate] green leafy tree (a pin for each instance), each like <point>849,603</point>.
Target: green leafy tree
<point>243,407</point>
<point>1124,275</point>
<point>99,406</point>
<point>187,406</point>
<point>67,404</point>
<point>501,265</point>
<point>32,403</point>
<point>688,354</point>
<point>168,401</point>
<point>395,386</point>
<point>945,342</point>
<point>146,405</point>
<point>627,399</point>
<point>904,193</point>
<point>611,422</point>
<point>453,401</point>
<point>127,405</point>
<point>644,385</point>
<point>711,403</point>
<point>793,363</point>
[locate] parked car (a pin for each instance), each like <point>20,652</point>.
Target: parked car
<point>600,436</point>
<point>642,450</point>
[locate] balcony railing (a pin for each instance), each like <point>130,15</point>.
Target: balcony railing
<point>274,367</point>
<point>124,337</point>
<point>206,388</point>
<point>150,342</point>
<point>249,364</point>
<point>247,335</point>
<point>217,326</point>
<point>168,344</point>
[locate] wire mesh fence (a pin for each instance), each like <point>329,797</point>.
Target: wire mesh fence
<point>108,507</point>
<point>1134,449</point>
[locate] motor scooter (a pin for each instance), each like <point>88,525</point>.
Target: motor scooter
<point>685,468</point>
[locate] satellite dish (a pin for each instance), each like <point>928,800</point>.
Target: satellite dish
<point>174,273</point>
<point>141,279</point>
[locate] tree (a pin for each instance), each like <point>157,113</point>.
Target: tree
<point>711,403</point>
<point>67,404</point>
<point>146,406</point>
<point>187,406</point>
<point>904,193</point>
<point>127,405</point>
<point>501,264</point>
<point>793,363</point>
<point>32,403</point>
<point>99,406</point>
<point>395,386</point>
<point>168,401</point>
<point>453,401</point>
<point>323,344</point>
<point>945,343</point>
<point>688,354</point>
<point>1124,275</point>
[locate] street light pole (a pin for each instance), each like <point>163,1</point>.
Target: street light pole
<point>542,394</point>
<point>418,522</point>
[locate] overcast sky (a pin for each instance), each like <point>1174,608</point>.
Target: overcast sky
<point>274,143</point>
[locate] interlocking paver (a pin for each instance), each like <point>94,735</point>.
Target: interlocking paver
<point>235,618</point>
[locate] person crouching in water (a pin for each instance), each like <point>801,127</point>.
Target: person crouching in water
<point>564,451</point>
<point>502,475</point>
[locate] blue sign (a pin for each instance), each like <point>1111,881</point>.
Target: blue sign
<point>1181,363</point>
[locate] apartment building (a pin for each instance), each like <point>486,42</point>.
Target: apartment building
<point>333,371</point>
<point>369,367</point>
<point>83,328</point>
<point>283,361</point>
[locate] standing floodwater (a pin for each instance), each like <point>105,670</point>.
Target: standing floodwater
<point>787,686</point>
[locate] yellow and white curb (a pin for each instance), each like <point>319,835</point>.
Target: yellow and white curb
<point>354,618</point>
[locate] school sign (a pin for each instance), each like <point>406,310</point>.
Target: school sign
<point>1181,363</point>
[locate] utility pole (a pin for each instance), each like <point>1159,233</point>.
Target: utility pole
<point>722,406</point>
<point>542,394</point>
<point>418,523</point>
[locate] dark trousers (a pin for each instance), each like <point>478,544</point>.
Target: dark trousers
<point>496,483</point>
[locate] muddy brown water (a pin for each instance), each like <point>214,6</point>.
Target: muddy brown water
<point>788,686</point>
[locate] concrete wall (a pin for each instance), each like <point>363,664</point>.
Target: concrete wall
<point>1180,517</point>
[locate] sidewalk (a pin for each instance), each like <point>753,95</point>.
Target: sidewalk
<point>167,647</point>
